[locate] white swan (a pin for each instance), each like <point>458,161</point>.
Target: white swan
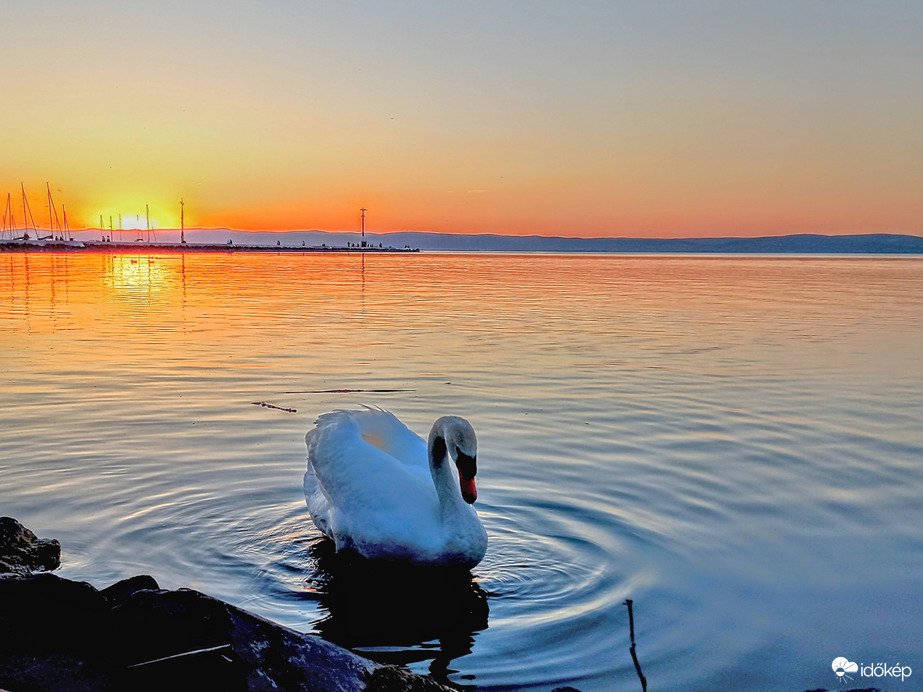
<point>377,488</point>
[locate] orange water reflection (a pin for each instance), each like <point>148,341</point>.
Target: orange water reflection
<point>332,308</point>
<point>77,291</point>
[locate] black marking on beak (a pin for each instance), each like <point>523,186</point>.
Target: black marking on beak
<point>467,470</point>
<point>467,466</point>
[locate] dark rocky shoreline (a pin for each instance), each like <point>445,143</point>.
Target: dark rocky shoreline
<point>57,634</point>
<point>67,636</point>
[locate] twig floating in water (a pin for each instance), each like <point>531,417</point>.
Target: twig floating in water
<point>631,620</point>
<point>634,656</point>
<point>277,408</point>
<point>349,391</point>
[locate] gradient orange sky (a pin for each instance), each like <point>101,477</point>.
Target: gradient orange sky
<point>574,119</point>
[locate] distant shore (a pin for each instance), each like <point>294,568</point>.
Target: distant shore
<point>227,240</point>
<point>123,248</point>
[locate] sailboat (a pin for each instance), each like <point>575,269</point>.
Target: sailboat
<point>28,222</point>
<point>58,232</point>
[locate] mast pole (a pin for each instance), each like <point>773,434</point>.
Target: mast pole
<point>182,221</point>
<point>53,221</point>
<point>8,215</point>
<point>26,209</point>
<point>50,217</point>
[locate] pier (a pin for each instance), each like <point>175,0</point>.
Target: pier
<point>78,246</point>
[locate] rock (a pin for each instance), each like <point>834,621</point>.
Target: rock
<point>61,635</point>
<point>240,650</point>
<point>392,678</point>
<point>22,553</point>
<point>120,591</point>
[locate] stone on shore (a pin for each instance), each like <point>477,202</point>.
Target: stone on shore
<point>21,552</point>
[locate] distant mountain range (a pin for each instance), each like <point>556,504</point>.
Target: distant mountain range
<point>877,243</point>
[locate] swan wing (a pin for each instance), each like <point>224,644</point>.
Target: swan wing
<point>384,430</point>
<point>359,494</point>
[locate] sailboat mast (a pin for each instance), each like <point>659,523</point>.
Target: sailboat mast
<point>8,222</point>
<point>53,221</point>
<point>50,217</point>
<point>26,210</point>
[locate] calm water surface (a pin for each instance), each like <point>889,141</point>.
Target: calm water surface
<point>734,444</point>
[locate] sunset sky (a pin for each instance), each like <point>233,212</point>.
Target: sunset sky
<point>576,119</point>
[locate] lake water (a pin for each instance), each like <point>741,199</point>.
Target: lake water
<point>734,443</point>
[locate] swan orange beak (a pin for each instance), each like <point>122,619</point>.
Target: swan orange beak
<point>469,490</point>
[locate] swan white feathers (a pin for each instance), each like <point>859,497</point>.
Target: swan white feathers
<point>377,488</point>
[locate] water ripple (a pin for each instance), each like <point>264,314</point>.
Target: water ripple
<point>732,443</point>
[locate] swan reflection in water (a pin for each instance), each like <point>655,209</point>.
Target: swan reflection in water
<point>396,614</point>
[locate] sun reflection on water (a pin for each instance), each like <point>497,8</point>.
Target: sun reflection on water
<point>129,277</point>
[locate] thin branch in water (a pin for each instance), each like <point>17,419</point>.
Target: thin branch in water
<point>349,391</point>
<point>273,406</point>
<point>634,656</point>
<point>631,620</point>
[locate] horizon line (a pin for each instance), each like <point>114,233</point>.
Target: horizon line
<point>187,229</point>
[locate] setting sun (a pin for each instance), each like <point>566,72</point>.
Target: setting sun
<point>136,222</point>
<point>129,217</point>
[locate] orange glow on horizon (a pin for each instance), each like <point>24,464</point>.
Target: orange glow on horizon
<point>537,211</point>
<point>548,208</point>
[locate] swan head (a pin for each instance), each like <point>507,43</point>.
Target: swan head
<point>453,437</point>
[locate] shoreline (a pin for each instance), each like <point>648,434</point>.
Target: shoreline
<point>182,248</point>
<point>228,240</point>
<point>61,634</point>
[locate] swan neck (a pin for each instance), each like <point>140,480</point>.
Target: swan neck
<point>441,471</point>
